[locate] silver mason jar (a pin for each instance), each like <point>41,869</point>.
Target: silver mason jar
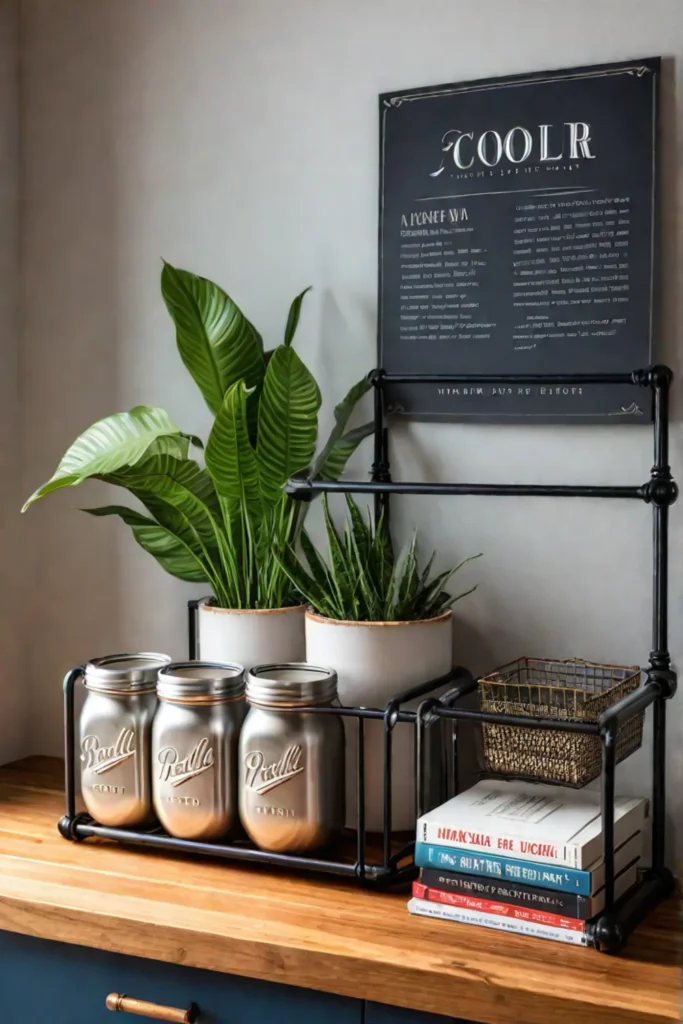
<point>194,748</point>
<point>291,764</point>
<point>114,733</point>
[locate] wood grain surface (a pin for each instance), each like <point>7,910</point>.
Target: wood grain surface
<point>316,933</point>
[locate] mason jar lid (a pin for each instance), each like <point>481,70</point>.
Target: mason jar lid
<point>200,682</point>
<point>124,673</point>
<point>291,686</point>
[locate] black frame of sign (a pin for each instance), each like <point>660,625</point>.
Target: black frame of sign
<point>541,355</point>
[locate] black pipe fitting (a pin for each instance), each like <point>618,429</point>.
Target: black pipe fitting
<point>659,376</point>
<point>608,936</point>
<point>660,490</point>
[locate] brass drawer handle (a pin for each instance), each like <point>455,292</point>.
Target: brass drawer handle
<point>124,1004</point>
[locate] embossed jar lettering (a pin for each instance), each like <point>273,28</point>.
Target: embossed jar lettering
<point>194,748</point>
<point>114,729</point>
<point>291,791</point>
<point>262,777</point>
<point>101,759</point>
<point>199,760</point>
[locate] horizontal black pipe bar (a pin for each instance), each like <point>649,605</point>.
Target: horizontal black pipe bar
<point>637,377</point>
<point>432,684</point>
<point>527,722</point>
<point>303,488</point>
<point>86,830</point>
<point>342,712</point>
<point>464,688</point>
<point>397,715</point>
<point>629,706</point>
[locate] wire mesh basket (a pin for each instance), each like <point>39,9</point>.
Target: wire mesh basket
<point>577,691</point>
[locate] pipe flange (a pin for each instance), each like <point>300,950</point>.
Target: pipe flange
<point>67,826</point>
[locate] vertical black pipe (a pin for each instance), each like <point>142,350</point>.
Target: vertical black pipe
<point>192,617</point>
<point>659,785</point>
<point>660,585</point>
<point>455,732</point>
<point>420,758</point>
<point>660,482</point>
<point>360,799</point>
<point>423,755</point>
<point>388,730</point>
<point>70,740</point>
<point>379,442</point>
<point>607,802</point>
<point>661,490</point>
<point>385,498</point>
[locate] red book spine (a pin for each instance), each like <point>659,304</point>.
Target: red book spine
<point>457,899</point>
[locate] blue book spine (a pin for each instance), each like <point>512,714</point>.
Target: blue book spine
<point>522,871</point>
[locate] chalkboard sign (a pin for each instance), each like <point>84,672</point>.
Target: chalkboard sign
<point>517,236</point>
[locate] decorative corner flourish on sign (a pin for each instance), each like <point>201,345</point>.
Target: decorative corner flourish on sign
<point>627,410</point>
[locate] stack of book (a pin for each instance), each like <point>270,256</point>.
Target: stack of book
<point>524,858</point>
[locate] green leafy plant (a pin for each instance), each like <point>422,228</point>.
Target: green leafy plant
<point>362,580</point>
<point>229,523</point>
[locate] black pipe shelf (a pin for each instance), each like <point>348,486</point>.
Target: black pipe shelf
<point>390,864</point>
<point>611,928</point>
<point>373,864</point>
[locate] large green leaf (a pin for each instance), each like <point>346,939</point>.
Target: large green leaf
<point>217,343</point>
<point>171,554</point>
<point>293,318</point>
<point>177,492</point>
<point>342,450</point>
<point>334,455</point>
<point>166,465</point>
<point>230,458</point>
<point>287,421</point>
<point>112,443</point>
<point>181,498</point>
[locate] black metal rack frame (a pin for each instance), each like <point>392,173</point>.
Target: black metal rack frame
<point>609,931</point>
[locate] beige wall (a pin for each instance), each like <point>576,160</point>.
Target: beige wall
<point>239,138</point>
<point>13,680</point>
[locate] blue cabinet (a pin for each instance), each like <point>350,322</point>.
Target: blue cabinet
<point>55,983</point>
<point>59,984</point>
<point>378,1013</point>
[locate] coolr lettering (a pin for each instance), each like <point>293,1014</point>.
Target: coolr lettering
<point>545,143</point>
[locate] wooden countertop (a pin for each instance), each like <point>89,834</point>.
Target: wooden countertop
<point>314,933</point>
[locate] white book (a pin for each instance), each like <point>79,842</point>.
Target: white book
<point>627,853</point>
<point>526,821</point>
<point>424,908</point>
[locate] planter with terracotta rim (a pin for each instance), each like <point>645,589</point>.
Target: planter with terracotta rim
<point>374,661</point>
<point>251,636</point>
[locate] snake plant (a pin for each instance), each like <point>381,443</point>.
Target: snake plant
<point>362,580</point>
<point>227,523</point>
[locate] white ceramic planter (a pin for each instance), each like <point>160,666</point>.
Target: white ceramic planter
<point>251,637</point>
<point>374,662</point>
